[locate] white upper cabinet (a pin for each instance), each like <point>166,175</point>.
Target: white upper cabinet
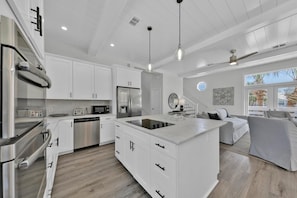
<point>60,72</point>
<point>78,80</point>
<point>102,83</point>
<point>128,78</point>
<point>29,14</point>
<point>91,82</point>
<point>83,81</point>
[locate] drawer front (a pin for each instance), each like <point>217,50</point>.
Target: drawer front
<point>163,146</point>
<point>161,187</point>
<point>163,165</point>
<point>107,119</point>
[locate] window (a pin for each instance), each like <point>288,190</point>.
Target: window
<point>287,97</point>
<point>273,77</point>
<point>275,90</point>
<point>201,86</point>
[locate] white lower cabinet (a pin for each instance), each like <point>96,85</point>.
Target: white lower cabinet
<point>61,143</point>
<point>107,130</point>
<point>165,169</point>
<point>66,142</point>
<point>51,158</point>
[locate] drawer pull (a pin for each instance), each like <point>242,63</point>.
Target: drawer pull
<point>157,191</point>
<point>158,165</point>
<point>50,145</point>
<point>117,152</point>
<point>50,165</point>
<point>159,145</point>
<point>118,137</point>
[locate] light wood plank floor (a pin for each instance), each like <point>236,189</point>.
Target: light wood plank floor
<point>95,172</point>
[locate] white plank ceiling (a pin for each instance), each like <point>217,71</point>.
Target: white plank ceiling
<point>210,29</point>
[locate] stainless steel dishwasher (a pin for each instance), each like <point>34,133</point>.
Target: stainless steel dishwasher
<point>86,132</point>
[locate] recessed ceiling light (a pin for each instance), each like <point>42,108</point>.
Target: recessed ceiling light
<point>111,44</point>
<point>64,28</point>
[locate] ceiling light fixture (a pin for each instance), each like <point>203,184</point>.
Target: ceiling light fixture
<point>179,52</point>
<point>233,58</point>
<point>149,67</point>
<point>64,28</point>
<point>111,45</point>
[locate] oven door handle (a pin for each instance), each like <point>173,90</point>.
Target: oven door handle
<point>32,158</point>
<point>25,66</point>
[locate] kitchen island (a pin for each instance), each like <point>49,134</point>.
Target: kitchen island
<point>170,156</point>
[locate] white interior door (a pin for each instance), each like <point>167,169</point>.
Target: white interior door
<point>156,101</point>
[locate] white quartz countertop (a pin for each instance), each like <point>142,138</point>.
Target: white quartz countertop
<point>183,129</point>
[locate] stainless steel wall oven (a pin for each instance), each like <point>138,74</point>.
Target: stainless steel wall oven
<point>23,139</point>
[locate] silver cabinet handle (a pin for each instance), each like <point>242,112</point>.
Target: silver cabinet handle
<point>32,158</point>
<point>70,94</point>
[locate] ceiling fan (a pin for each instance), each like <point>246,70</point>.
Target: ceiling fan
<point>233,59</point>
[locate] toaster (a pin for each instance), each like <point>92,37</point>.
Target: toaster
<point>78,111</point>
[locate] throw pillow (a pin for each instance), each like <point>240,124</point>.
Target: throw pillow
<point>222,113</point>
<point>213,116</point>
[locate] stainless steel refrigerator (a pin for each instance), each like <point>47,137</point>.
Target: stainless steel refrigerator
<point>128,102</point>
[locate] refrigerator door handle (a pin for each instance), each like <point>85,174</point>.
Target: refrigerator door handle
<point>129,106</point>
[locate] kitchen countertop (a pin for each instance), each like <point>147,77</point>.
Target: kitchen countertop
<point>48,118</point>
<point>183,129</point>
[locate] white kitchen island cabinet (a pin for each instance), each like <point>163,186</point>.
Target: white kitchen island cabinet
<point>176,161</point>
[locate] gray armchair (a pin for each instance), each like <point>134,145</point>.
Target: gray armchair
<point>274,140</point>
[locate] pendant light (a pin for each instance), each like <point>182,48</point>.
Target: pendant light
<point>179,52</point>
<point>149,67</point>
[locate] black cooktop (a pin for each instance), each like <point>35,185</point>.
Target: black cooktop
<point>150,124</point>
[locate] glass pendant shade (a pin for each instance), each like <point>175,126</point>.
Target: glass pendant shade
<point>179,53</point>
<point>149,67</point>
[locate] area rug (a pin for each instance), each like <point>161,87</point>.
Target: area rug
<point>242,146</point>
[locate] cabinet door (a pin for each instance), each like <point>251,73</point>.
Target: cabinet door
<point>37,36</point>
<point>107,130</point>
<point>83,81</point>
<point>52,158</point>
<point>141,160</point>
<point>128,151</point>
<point>60,72</point>
<point>128,78</point>
<point>25,16</point>
<point>66,143</point>
<point>103,83</point>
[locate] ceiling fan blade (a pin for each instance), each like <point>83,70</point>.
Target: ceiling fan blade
<point>212,64</point>
<point>251,54</point>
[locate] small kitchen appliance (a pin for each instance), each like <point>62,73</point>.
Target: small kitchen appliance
<point>78,111</point>
<point>100,109</point>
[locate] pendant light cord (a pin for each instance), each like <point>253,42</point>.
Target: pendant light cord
<point>149,46</point>
<point>149,28</point>
<point>179,26</point>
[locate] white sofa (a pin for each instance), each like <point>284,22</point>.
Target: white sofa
<point>274,140</point>
<point>235,128</point>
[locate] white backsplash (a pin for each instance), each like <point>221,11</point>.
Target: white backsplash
<point>67,106</point>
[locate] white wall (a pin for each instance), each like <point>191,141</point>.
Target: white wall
<point>227,79</point>
<point>171,84</point>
